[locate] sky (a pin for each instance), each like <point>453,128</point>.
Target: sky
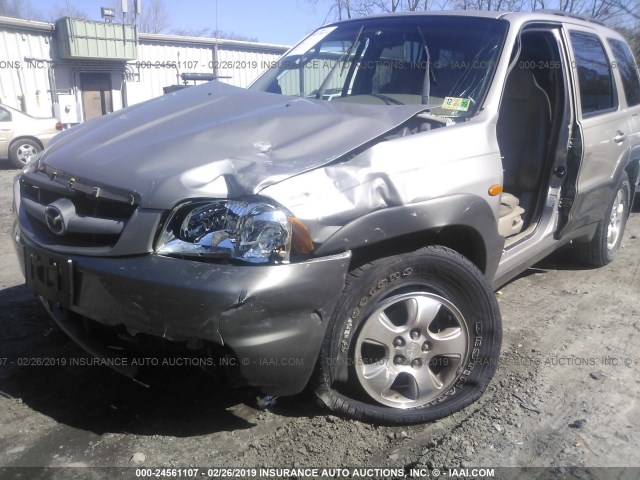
<point>282,22</point>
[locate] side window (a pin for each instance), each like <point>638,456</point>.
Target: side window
<point>628,71</point>
<point>594,74</point>
<point>4,115</point>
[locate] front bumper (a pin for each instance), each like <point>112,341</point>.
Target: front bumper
<point>273,318</point>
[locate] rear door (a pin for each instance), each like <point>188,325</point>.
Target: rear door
<point>600,137</point>
<point>6,131</point>
<point>627,72</point>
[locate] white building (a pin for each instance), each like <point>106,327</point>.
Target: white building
<point>78,69</point>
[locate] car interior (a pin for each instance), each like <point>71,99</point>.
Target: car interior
<point>530,113</point>
<point>395,72</point>
<point>532,107</point>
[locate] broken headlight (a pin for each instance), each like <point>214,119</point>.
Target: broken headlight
<point>252,231</point>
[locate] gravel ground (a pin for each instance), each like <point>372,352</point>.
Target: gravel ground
<point>565,394</point>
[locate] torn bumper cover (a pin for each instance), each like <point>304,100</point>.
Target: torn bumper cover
<point>273,318</point>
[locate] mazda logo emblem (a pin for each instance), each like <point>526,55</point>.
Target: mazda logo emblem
<point>54,220</point>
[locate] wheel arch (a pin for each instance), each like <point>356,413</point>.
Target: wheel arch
<point>464,223</point>
<point>461,238</point>
<point>633,171</point>
<point>26,137</point>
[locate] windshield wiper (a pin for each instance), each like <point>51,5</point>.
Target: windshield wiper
<point>342,60</point>
<point>426,83</point>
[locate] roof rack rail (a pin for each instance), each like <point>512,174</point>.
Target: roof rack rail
<point>569,14</point>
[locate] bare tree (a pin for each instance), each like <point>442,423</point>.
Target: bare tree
<point>210,32</point>
<point>154,17</point>
<point>233,36</point>
<point>387,6</point>
<point>18,9</point>
<point>494,5</point>
<point>60,11</point>
<point>192,32</point>
<point>344,9</point>
<point>338,9</point>
<point>613,12</point>
<point>632,34</point>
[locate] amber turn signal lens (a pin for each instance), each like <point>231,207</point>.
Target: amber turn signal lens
<point>495,190</point>
<point>300,236</point>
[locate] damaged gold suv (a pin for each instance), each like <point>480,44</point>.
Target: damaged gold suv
<point>344,220</point>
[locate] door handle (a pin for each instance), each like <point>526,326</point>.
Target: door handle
<point>620,137</point>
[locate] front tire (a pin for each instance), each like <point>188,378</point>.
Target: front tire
<point>414,337</point>
<point>21,152</point>
<point>604,245</point>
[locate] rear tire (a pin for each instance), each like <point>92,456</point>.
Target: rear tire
<point>414,337</point>
<point>604,245</point>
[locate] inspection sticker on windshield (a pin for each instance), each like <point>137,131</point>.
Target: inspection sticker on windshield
<point>455,103</point>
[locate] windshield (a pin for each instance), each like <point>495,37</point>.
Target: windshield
<point>383,61</point>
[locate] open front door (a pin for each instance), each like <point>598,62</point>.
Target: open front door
<point>533,131</point>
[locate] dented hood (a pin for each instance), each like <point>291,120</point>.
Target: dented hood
<point>215,140</point>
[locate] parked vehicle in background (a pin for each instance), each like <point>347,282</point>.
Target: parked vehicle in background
<point>345,220</point>
<point>22,136</point>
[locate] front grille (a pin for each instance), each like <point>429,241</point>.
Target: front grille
<point>91,213</point>
<point>72,239</point>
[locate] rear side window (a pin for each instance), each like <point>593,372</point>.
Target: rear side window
<point>626,65</point>
<point>597,92</point>
<point>4,115</point>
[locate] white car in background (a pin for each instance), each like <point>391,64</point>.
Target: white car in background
<point>22,136</point>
